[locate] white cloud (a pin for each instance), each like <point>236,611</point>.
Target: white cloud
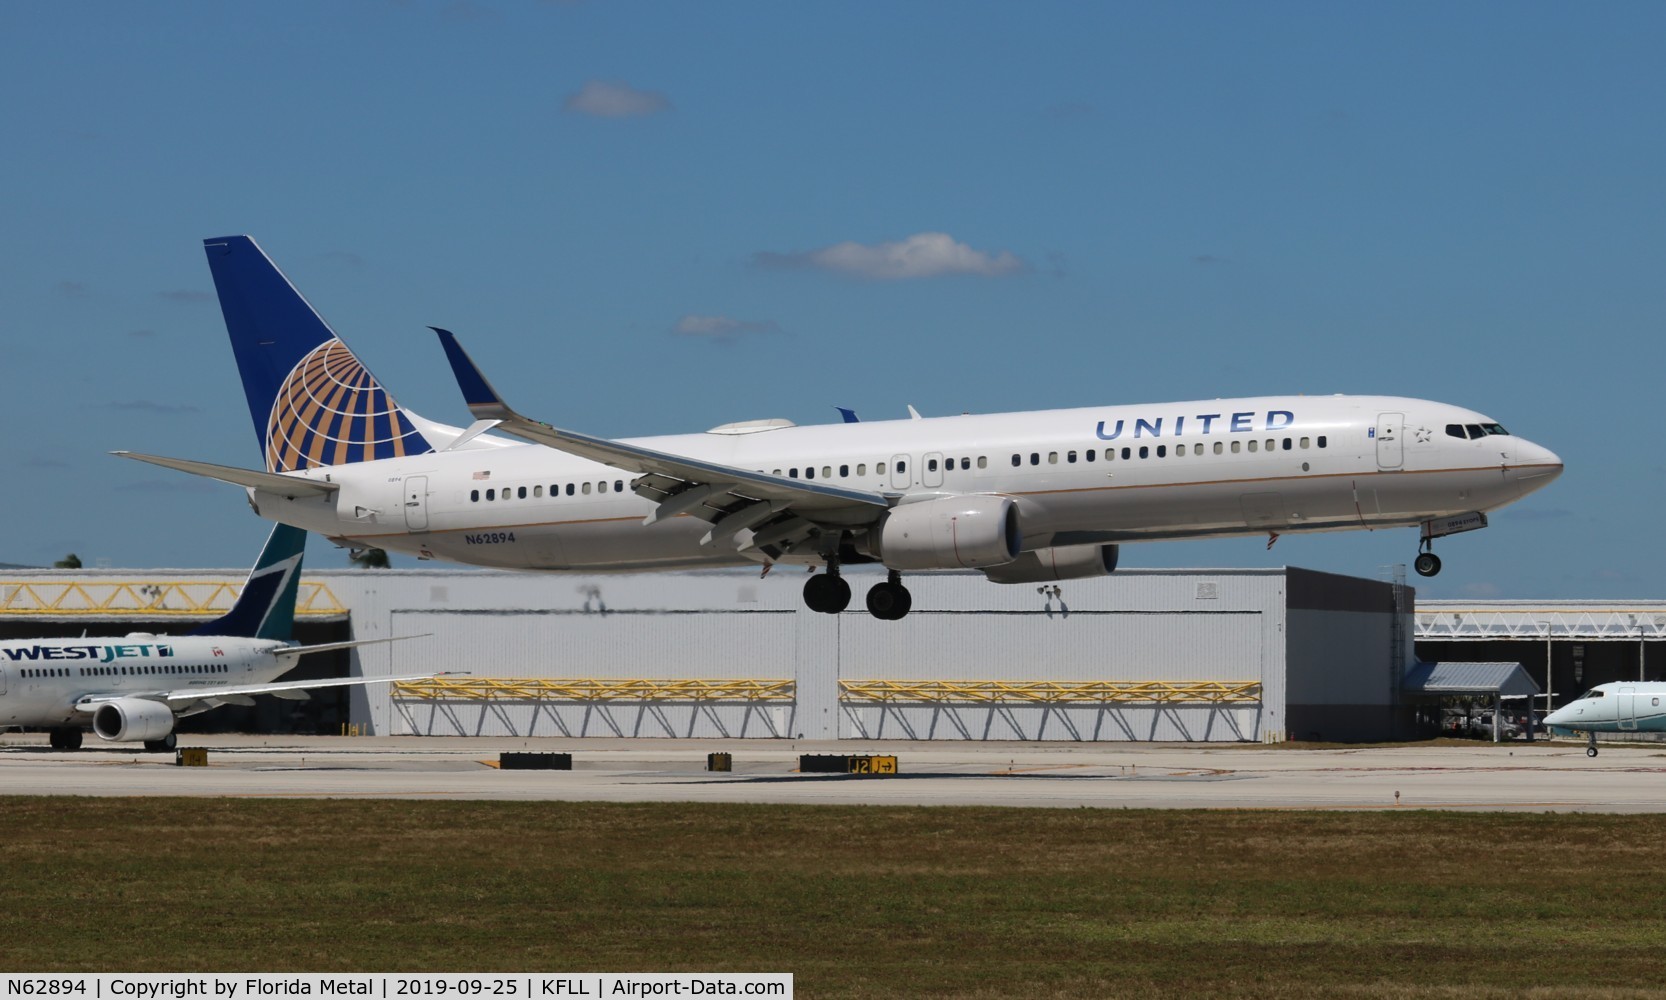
<point>721,328</point>
<point>615,99</point>
<point>923,255</point>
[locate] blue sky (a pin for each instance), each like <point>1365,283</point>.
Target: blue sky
<point>654,218</point>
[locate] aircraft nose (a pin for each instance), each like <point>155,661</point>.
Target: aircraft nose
<point>1536,466</point>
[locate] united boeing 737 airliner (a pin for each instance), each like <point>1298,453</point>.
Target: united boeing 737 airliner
<point>1022,497</point>
<point>133,688</point>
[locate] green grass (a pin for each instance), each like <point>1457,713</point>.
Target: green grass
<point>857,902</point>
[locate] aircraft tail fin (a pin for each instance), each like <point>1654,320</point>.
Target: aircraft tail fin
<point>313,403</point>
<point>266,607</point>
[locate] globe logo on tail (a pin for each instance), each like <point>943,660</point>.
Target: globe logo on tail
<point>331,411</point>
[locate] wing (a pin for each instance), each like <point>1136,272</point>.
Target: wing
<point>279,688</point>
<point>782,513</point>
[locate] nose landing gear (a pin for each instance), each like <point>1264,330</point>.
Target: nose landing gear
<point>1591,746</point>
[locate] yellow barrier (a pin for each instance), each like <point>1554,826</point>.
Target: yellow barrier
<point>149,598</point>
<point>1054,692</point>
<point>593,689</point>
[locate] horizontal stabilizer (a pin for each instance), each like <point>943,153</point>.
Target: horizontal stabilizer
<point>270,482</point>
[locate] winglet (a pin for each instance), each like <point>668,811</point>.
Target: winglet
<point>849,415</point>
<point>483,401</point>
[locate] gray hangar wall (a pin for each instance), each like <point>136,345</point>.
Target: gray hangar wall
<point>1140,655</point>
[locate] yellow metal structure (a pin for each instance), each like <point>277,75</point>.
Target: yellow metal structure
<point>594,689</point>
<point>145,598</point>
<point>1053,692</point>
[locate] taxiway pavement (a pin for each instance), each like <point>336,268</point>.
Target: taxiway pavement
<point>1516,777</point>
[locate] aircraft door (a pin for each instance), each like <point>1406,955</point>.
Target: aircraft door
<point>932,473</point>
<point>1625,708</point>
<point>416,503</point>
<point>1389,431</point>
<point>899,473</point>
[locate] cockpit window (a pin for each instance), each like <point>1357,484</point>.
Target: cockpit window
<point>1593,693</point>
<point>1474,432</point>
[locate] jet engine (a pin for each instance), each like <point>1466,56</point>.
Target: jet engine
<point>966,532</point>
<point>1061,562</point>
<point>128,719</point>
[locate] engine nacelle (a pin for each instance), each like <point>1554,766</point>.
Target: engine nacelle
<point>968,532</point>
<point>128,719</point>
<point>1061,562</point>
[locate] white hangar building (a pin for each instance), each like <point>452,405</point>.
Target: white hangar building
<point>1197,655</point>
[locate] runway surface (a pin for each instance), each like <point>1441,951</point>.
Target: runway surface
<point>1521,777</point>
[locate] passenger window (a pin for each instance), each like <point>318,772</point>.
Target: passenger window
<point>490,494</point>
<point>569,489</point>
<point>474,496</point>
<point>1126,452</point>
<point>601,487</point>
<point>844,471</point>
<point>586,489</point>
<point>1235,445</point>
<point>1197,449</point>
<point>1016,461</point>
<point>537,491</point>
<point>809,472</point>
<point>931,465</point>
<point>1252,445</point>
<point>902,467</point>
<point>1088,455</point>
<point>1035,458</point>
<point>1271,444</point>
<point>879,468</point>
<point>793,473</point>
<point>827,472</point>
<point>1286,444</point>
<point>965,464</point>
<point>1070,457</point>
<point>861,468</point>
<point>1305,442</point>
<point>618,486</point>
<point>1321,440</point>
<point>1162,451</point>
<point>983,461</point>
<point>521,493</point>
<point>1145,451</point>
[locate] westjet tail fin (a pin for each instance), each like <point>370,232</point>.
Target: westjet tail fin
<point>313,403</point>
<point>266,607</point>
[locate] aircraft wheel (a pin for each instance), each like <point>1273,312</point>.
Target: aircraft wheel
<point>164,745</point>
<point>64,738</point>
<point>55,739</point>
<point>72,738</point>
<point>1427,564</point>
<point>889,601</point>
<point>827,593</point>
<point>1590,751</point>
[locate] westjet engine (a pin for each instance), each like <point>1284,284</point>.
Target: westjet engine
<point>133,719</point>
<point>1061,562</point>
<point>968,532</point>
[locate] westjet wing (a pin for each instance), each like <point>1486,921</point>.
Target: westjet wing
<point>271,482</point>
<point>288,652</point>
<point>729,497</point>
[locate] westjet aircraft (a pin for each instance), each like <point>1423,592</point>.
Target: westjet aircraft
<point>135,687</point>
<point>1621,707</point>
<point>1023,497</point>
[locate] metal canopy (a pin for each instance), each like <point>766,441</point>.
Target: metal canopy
<point>1499,679</point>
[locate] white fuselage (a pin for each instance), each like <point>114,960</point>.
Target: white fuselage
<point>1079,476</point>
<point>42,680</point>
<point>1619,707</point>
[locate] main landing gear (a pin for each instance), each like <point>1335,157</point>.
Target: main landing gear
<point>889,601</point>
<point>64,738</point>
<point>164,745</point>
<point>829,593</point>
